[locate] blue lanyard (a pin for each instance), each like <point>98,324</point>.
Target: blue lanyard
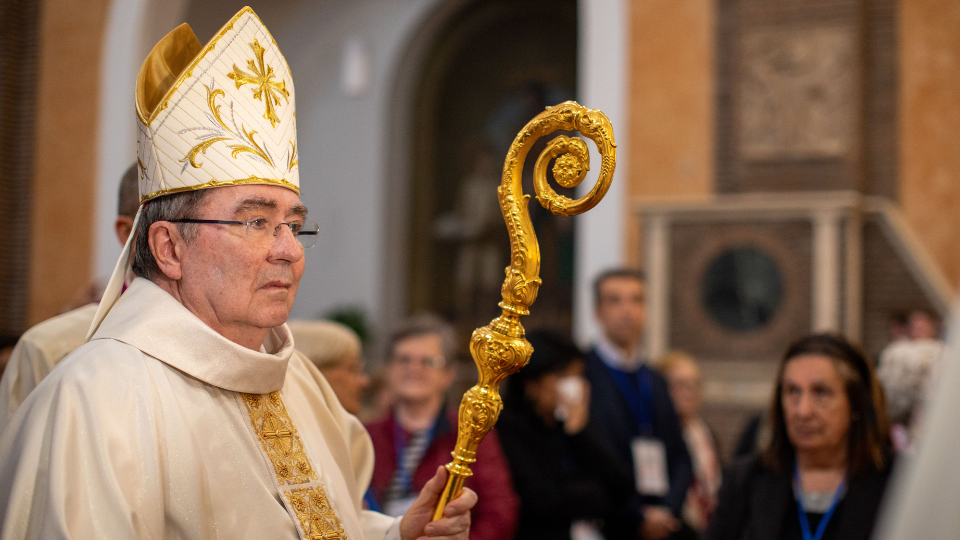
<point>637,389</point>
<point>804,522</point>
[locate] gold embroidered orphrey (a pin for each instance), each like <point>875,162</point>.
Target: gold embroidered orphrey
<point>500,348</point>
<point>279,439</point>
<point>266,89</point>
<point>316,517</point>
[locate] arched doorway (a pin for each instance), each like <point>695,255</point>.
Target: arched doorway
<point>493,67</point>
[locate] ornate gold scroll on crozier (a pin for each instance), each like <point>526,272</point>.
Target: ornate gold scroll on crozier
<point>500,347</point>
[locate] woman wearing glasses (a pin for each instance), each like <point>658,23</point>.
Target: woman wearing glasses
<point>418,434</point>
<point>823,474</point>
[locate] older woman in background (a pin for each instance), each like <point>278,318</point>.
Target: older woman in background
<point>823,474</point>
<point>419,432</point>
<point>683,378</point>
<point>335,350</point>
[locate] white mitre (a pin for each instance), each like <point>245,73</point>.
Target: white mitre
<point>211,116</point>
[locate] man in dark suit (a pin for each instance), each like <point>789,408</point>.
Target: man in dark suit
<point>631,406</point>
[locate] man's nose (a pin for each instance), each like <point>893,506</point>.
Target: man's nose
<point>286,247</point>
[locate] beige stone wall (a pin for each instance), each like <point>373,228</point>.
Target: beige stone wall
<point>65,153</point>
<point>671,106</point>
<point>929,67</point>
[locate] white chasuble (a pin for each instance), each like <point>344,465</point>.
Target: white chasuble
<point>160,428</point>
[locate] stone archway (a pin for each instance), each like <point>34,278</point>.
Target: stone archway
<point>491,68</point>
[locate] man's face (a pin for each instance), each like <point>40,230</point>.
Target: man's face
<point>234,282</point>
<point>621,310</point>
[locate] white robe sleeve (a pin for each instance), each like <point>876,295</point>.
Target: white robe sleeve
<point>39,350</point>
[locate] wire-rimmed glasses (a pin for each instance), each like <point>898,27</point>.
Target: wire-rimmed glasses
<point>260,229</point>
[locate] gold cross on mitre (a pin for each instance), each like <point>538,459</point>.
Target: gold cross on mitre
<point>267,90</point>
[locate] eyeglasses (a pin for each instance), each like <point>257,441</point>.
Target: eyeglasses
<point>433,362</point>
<point>260,229</point>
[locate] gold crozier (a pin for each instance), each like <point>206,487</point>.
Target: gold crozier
<point>500,347</point>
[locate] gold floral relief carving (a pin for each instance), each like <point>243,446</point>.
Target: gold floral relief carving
<point>316,516</point>
<point>265,88</point>
<point>279,439</point>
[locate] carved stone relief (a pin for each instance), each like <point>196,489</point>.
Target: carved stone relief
<point>796,93</point>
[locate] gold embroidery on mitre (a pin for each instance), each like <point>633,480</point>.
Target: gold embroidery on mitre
<point>265,89</point>
<point>293,158</point>
<point>218,183</point>
<point>208,136</point>
<point>279,439</point>
<point>147,117</point>
<point>316,516</point>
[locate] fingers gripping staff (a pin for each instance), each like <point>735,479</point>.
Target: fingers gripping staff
<point>500,348</point>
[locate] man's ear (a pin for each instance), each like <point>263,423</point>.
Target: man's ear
<point>166,245</point>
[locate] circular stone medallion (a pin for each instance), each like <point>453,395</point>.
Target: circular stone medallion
<point>742,289</point>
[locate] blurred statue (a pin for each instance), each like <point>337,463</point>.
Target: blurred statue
<point>474,225</point>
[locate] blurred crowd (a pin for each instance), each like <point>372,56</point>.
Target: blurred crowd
<point>607,443</point>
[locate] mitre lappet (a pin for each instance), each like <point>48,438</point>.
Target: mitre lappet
<point>211,116</point>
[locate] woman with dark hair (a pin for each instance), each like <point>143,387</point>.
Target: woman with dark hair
<point>823,474</point>
<point>562,470</point>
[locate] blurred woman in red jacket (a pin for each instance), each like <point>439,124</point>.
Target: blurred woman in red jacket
<point>419,432</point>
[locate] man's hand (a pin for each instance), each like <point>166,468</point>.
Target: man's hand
<point>455,523</point>
<point>658,523</point>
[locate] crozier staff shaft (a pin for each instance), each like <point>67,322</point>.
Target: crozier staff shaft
<point>500,348</point>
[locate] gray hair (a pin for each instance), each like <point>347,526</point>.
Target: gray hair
<point>128,200</point>
<point>165,208</point>
<point>325,343</point>
<point>426,324</point>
